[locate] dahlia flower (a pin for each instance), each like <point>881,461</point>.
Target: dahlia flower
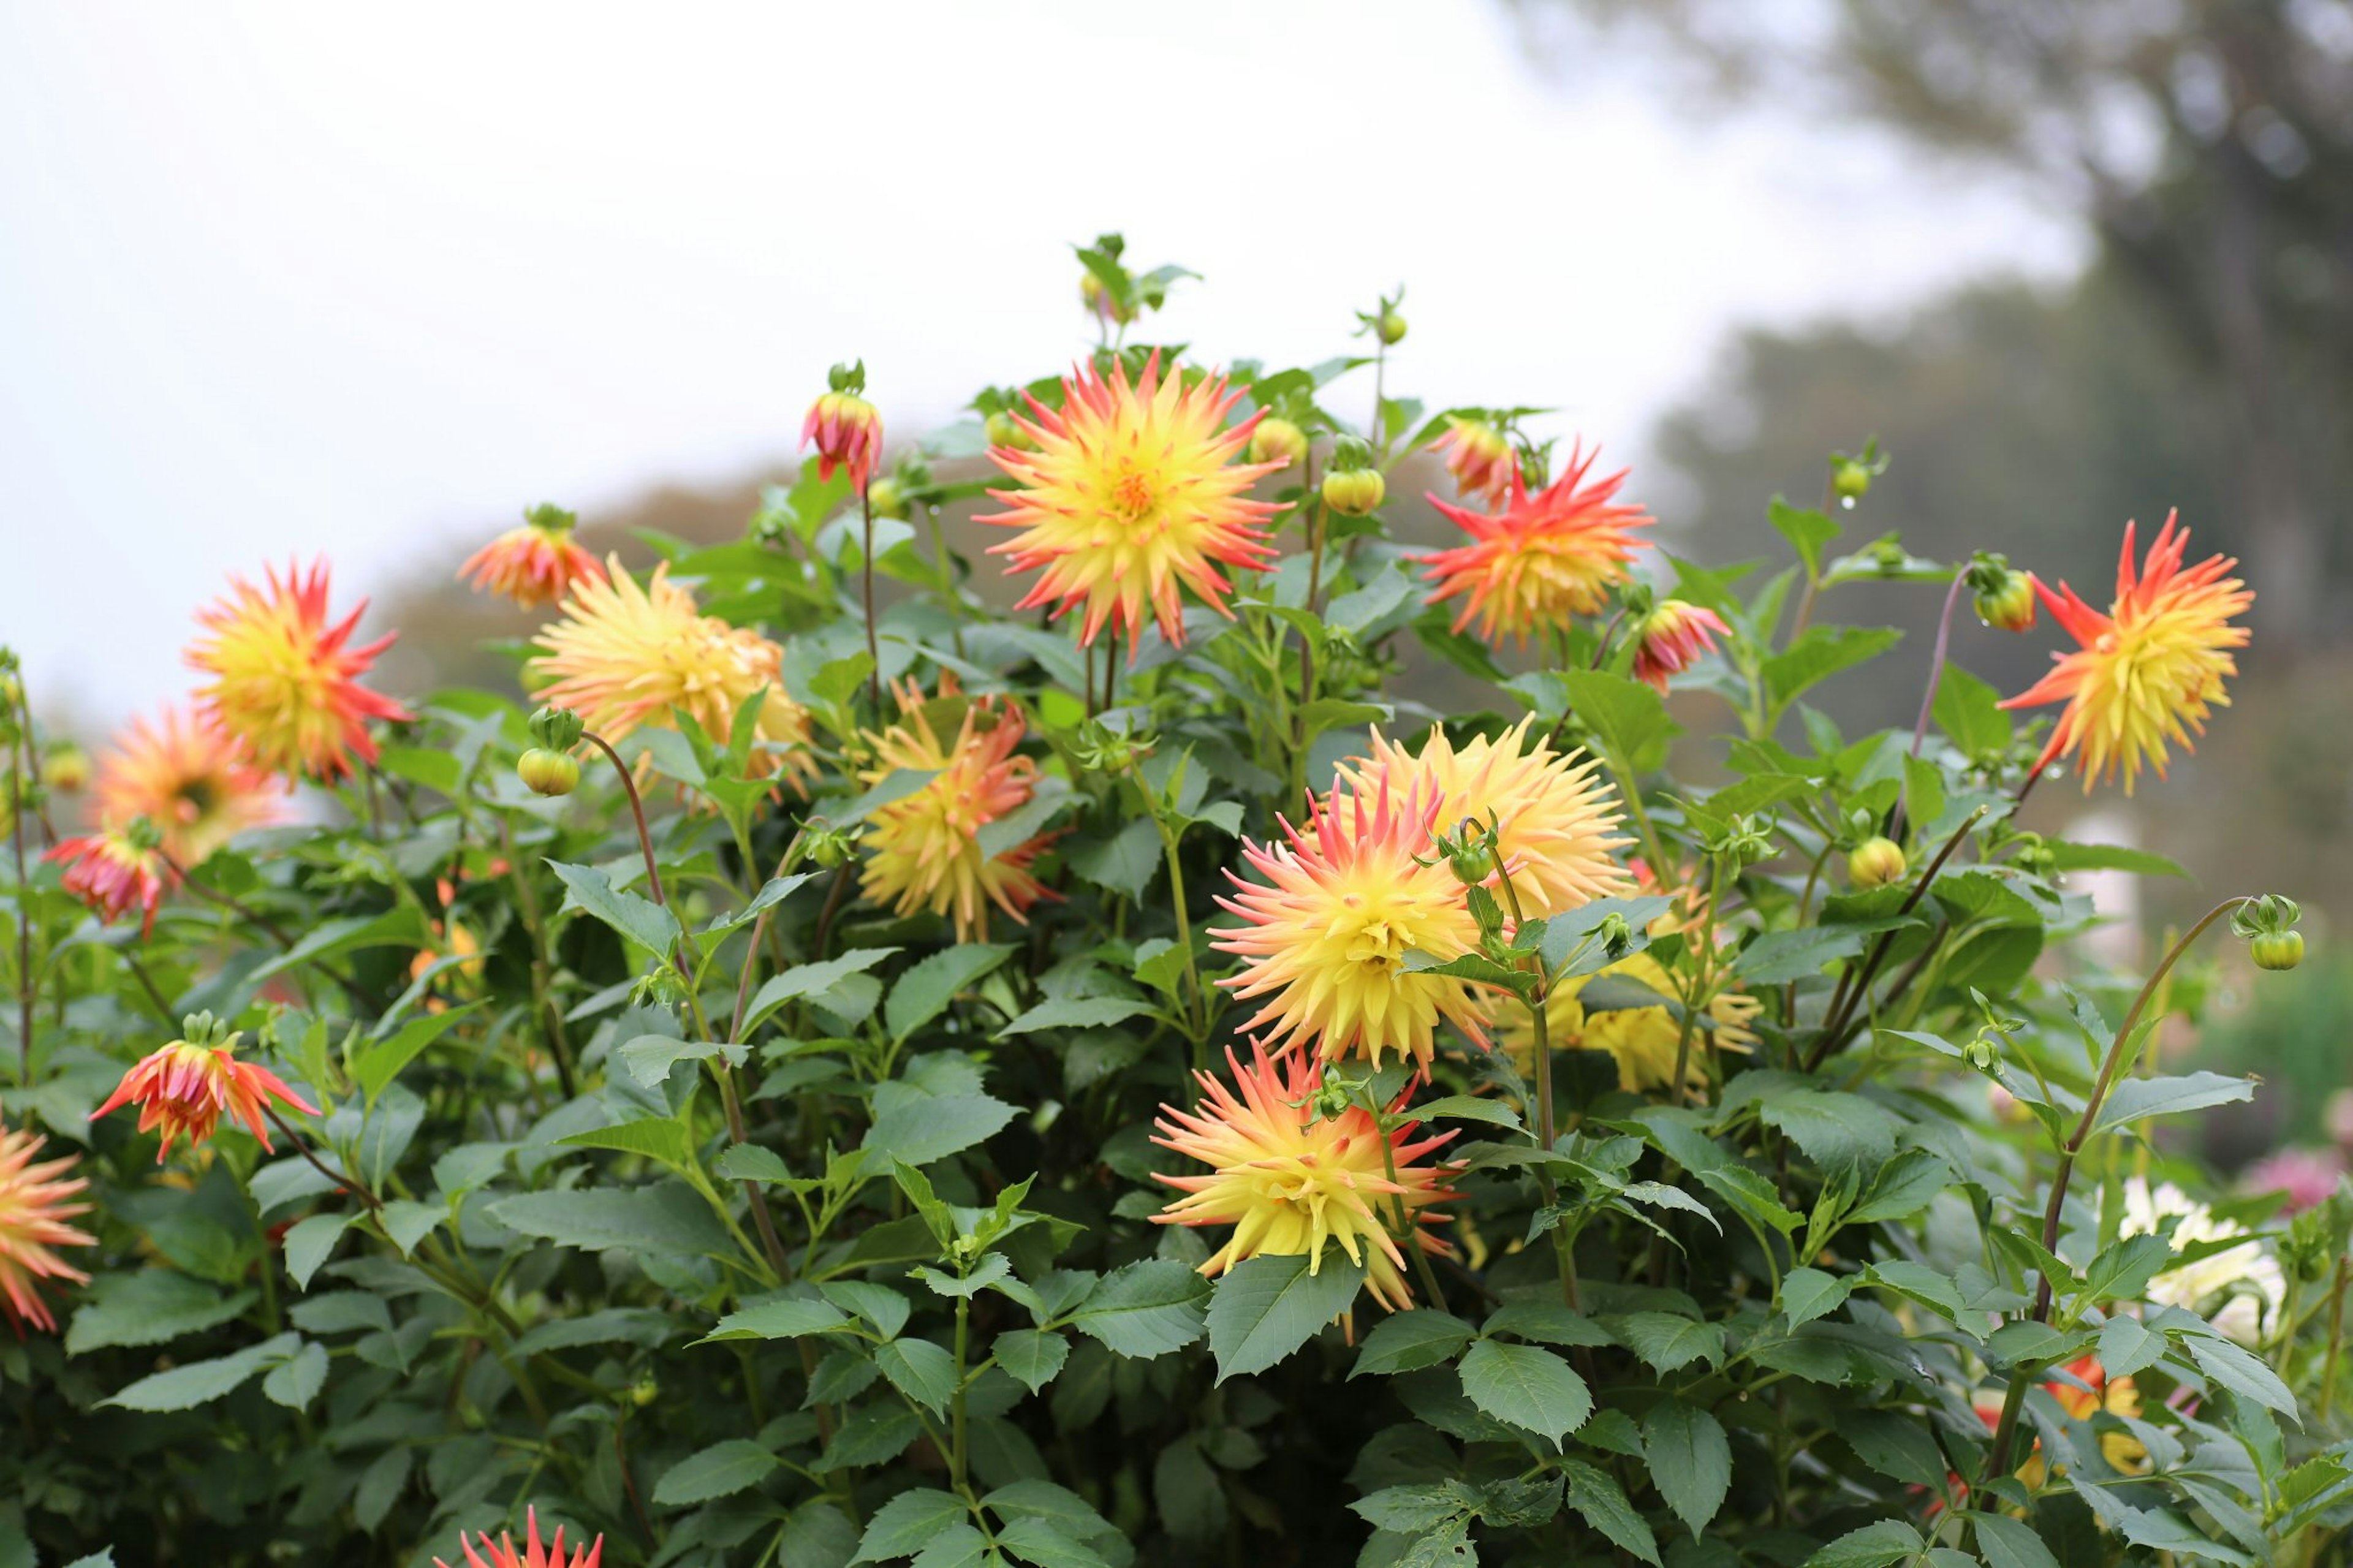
<point>1644,1041</point>
<point>2305,1177</point>
<point>848,434</point>
<point>286,683</point>
<point>1543,558</point>
<point>1132,495</point>
<point>2091,1391</point>
<point>65,768</point>
<point>1554,813</point>
<point>114,873</point>
<point>33,1213</point>
<point>534,565</point>
<point>1287,1180</point>
<point>1670,638</point>
<point>502,1553</point>
<point>184,1087</point>
<point>2245,1279</point>
<point>2149,671</point>
<point>185,774</point>
<point>1480,458</point>
<point>925,847</point>
<point>624,655</point>
<point>1324,937</point>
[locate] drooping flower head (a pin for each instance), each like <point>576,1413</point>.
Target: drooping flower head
<point>1323,938</point>
<point>2237,1288</point>
<point>35,1204</point>
<point>624,656</point>
<point>1543,558</point>
<point>1133,494</point>
<point>502,1553</point>
<point>1288,1179</point>
<point>184,773</point>
<point>285,679</point>
<point>184,1087</point>
<point>2147,671</point>
<point>847,431</point>
<point>1480,458</point>
<point>114,872</point>
<point>534,565</point>
<point>925,848</point>
<point>1555,814</point>
<point>1670,638</point>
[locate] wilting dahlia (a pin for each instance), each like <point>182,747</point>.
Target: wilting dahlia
<point>33,1209</point>
<point>185,774</point>
<point>1670,638</point>
<point>925,847</point>
<point>285,681</point>
<point>502,1553</point>
<point>1543,558</point>
<point>1480,458</point>
<point>1645,1041</point>
<point>184,1087</point>
<point>114,873</point>
<point>1555,812</point>
<point>2150,669</point>
<point>2236,1290</point>
<point>624,655</point>
<point>1132,495</point>
<point>1287,1180</point>
<point>1325,938</point>
<point>534,565</point>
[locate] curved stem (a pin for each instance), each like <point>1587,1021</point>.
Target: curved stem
<point>20,801</point>
<point>352,1184</point>
<point>637,810</point>
<point>1835,1028</point>
<point>1927,703</point>
<point>866,577</point>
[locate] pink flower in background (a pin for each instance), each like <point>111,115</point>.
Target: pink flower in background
<point>2305,1175</point>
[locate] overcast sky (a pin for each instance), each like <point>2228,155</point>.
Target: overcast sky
<point>290,277</point>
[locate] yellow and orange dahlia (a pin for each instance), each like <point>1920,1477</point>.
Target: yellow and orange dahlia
<point>1133,494</point>
<point>114,873</point>
<point>502,1553</point>
<point>2149,671</point>
<point>185,774</point>
<point>1480,458</point>
<point>534,565</point>
<point>1556,812</point>
<point>184,1087</point>
<point>1326,936</point>
<point>285,681</point>
<point>1543,558</point>
<point>1289,1180</point>
<point>33,1209</point>
<point>624,655</point>
<point>925,847</point>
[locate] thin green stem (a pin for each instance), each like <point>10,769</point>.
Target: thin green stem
<point>20,802</point>
<point>866,580</point>
<point>960,1449</point>
<point>2336,1339</point>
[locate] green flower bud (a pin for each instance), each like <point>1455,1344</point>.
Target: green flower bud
<point>547,771</point>
<point>1875,863</point>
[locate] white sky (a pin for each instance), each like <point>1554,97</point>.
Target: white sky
<point>280,277</point>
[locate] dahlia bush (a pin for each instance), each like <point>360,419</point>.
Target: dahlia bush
<point>1101,987</point>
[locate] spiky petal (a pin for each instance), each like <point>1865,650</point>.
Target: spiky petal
<point>185,1088</point>
<point>35,1204</point>
<point>925,847</point>
<point>285,679</point>
<point>113,874</point>
<point>1557,813</point>
<point>1323,938</point>
<point>1670,638</point>
<point>184,773</point>
<point>2147,671</point>
<point>502,1553</point>
<point>624,655</point>
<point>1288,1180</point>
<point>534,563</point>
<point>1480,458</point>
<point>1543,559</point>
<point>1131,496</point>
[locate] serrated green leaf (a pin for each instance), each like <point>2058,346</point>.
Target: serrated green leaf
<point>1690,1461</point>
<point>1406,1341</point>
<point>200,1382</point>
<point>926,989</point>
<point>1266,1306</point>
<point>309,1244</point>
<point>296,1381</point>
<point>588,889</point>
<point>923,1372</point>
<point>1527,1387</point>
<point>722,1469</point>
<point>1033,1355</point>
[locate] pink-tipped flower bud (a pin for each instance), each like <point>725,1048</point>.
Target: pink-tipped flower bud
<point>846,430</point>
<point>2008,605</point>
<point>1480,458</point>
<point>1670,638</point>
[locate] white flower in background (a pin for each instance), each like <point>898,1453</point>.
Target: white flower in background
<point>2247,1274</point>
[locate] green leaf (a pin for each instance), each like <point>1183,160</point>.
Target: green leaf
<point>381,1485</point>
<point>1033,1355</point>
<point>309,1244</point>
<point>1405,1341</point>
<point>908,1523</point>
<point>666,1218</point>
<point>1807,531</point>
<point>1690,1460</point>
<point>2138,1098</point>
<point>1041,1544</point>
<point>1548,1321</point>
<point>295,1382</point>
<point>925,1128</point>
<point>2241,1374</point>
<point>2121,1272</point>
<point>1268,1306</point>
<point>1750,1193</point>
<point>878,1304</point>
<point>407,1222</point>
<point>721,1470</point>
<point>1526,1386</point>
<point>809,980</point>
<point>774,891</point>
<point>399,926</point>
<point>662,1139</point>
<point>2066,856</point>
<point>340,1312</point>
<point>200,1382</point>
<point>923,1372</point>
<point>2006,1542</point>
<point>1602,1504</point>
<point>1821,653</point>
<point>925,990</point>
<point>1668,1342</point>
<point>1625,715</point>
<point>1076,1012</point>
<point>1920,1283</point>
<point>1969,713</point>
<point>1146,1310</point>
<point>1467,1108</point>
<point>149,1307</point>
<point>781,1319</point>
<point>1873,1546</point>
<point>1835,1129</point>
<point>382,1062</point>
<point>873,1435</point>
<point>648,1057</point>
<point>1897,1445</point>
<point>588,889</point>
<point>642,1326</point>
<point>1781,957</point>
<point>1123,862</point>
<point>1905,1185</point>
<point>1808,1293</point>
<point>2126,1347</point>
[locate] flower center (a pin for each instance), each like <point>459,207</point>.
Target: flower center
<point>1134,496</point>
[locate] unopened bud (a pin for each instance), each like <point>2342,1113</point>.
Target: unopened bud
<point>1004,430</point>
<point>1391,328</point>
<point>545,772</point>
<point>2010,604</point>
<point>2278,950</point>
<point>1353,492</point>
<point>557,729</point>
<point>1875,863</point>
<point>886,498</point>
<point>1277,441</point>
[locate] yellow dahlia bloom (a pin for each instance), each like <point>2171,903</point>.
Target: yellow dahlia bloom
<point>185,774</point>
<point>1132,495</point>
<point>1543,558</point>
<point>285,680</point>
<point>33,1213</point>
<point>925,847</point>
<point>1555,814</point>
<point>624,656</point>
<point>1288,1181</point>
<point>1325,938</point>
<point>2149,671</point>
<point>1645,1041</point>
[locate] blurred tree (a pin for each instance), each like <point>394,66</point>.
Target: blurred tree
<point>2209,145</point>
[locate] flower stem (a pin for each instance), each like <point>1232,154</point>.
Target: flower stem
<point>20,801</point>
<point>1848,998</point>
<point>866,580</point>
<point>1928,702</point>
<point>350,1184</point>
<point>1564,1243</point>
<point>2336,1339</point>
<point>637,810</point>
<point>958,1445</point>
